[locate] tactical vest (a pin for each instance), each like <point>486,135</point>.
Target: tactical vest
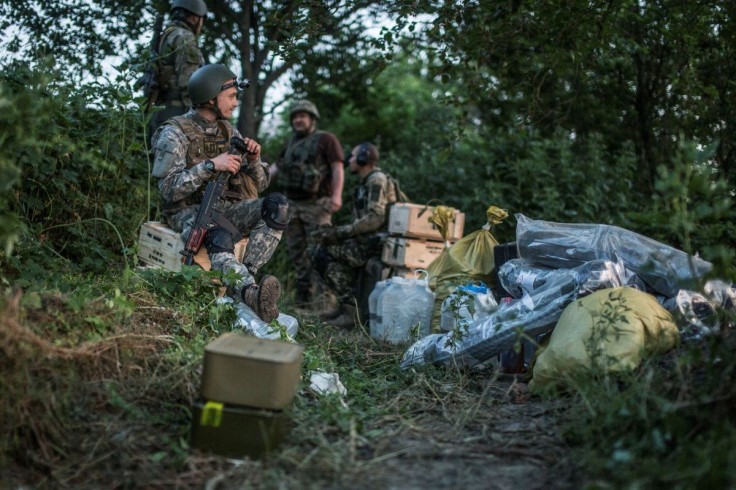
<point>165,68</point>
<point>205,147</point>
<point>301,169</point>
<point>363,191</point>
<point>167,77</point>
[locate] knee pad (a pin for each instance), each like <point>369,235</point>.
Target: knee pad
<point>321,258</point>
<point>219,240</point>
<point>275,211</point>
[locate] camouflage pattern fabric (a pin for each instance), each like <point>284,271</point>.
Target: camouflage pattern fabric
<point>305,217</point>
<point>361,239</point>
<point>246,217</point>
<point>181,58</point>
<point>371,202</point>
<point>180,178</point>
<point>335,264</point>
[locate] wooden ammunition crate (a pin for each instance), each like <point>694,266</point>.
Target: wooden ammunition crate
<point>409,252</point>
<point>412,220</point>
<point>159,246</point>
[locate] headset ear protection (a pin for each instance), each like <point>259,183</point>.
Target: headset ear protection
<point>362,157</point>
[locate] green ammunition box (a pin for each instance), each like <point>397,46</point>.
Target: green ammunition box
<point>249,371</point>
<point>235,431</point>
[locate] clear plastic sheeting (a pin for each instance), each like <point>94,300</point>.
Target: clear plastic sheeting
<point>698,312</point>
<point>250,322</point>
<point>564,246</point>
<point>520,276</point>
<point>532,315</point>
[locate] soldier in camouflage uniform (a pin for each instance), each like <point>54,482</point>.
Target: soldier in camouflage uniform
<point>310,172</point>
<point>179,57</point>
<point>345,248</point>
<point>190,150</point>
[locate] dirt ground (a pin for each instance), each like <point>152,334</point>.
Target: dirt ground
<point>507,439</point>
<point>127,425</point>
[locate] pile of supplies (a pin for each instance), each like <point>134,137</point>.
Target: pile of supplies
<point>599,296</point>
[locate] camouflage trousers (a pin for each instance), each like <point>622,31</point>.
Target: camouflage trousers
<point>304,218</point>
<point>246,217</point>
<point>336,264</point>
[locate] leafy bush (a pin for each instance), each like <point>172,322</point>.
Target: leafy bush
<point>82,191</point>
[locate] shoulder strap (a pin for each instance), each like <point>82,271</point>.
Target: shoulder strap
<point>400,196</point>
<point>169,29</point>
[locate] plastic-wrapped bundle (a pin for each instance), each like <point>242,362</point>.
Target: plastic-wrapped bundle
<point>533,314</point>
<point>466,304</point>
<point>520,276</point>
<point>699,312</point>
<point>563,245</point>
<point>250,322</point>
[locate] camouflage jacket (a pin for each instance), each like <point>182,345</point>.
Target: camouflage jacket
<point>182,145</point>
<point>371,203</point>
<point>180,57</point>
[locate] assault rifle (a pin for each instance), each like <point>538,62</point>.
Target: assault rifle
<point>207,215</point>
<point>149,80</point>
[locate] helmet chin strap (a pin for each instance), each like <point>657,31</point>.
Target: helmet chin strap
<point>214,108</point>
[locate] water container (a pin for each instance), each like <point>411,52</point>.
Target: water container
<point>375,320</point>
<point>404,304</point>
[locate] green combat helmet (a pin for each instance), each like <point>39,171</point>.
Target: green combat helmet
<point>197,7</point>
<point>303,106</point>
<point>207,82</point>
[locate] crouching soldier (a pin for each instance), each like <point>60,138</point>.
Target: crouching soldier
<point>191,150</point>
<point>345,248</point>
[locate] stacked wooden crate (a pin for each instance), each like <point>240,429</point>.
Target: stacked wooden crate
<point>415,241</point>
<point>248,384</point>
<point>160,246</point>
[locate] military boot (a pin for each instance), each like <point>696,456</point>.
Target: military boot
<point>263,297</point>
<point>346,318</point>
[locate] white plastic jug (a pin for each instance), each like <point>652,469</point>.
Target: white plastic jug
<point>375,318</point>
<point>404,304</point>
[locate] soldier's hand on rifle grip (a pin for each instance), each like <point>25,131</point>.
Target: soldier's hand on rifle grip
<point>227,162</point>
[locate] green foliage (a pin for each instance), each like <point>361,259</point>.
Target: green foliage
<point>83,187</point>
<point>674,413</point>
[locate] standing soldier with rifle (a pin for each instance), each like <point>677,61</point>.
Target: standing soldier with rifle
<point>177,57</point>
<point>200,147</point>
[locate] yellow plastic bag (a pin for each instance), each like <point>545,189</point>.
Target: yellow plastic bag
<point>469,259</point>
<point>611,330</point>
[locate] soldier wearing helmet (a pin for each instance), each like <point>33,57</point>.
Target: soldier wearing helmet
<point>310,172</point>
<point>179,57</point>
<point>189,151</point>
<point>345,249</point>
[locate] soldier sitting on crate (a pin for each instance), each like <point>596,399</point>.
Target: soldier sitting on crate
<point>190,150</point>
<point>345,248</point>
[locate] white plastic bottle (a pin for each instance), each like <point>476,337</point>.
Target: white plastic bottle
<point>392,302</point>
<point>375,319</point>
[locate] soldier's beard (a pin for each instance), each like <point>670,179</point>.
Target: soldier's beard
<point>304,132</point>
